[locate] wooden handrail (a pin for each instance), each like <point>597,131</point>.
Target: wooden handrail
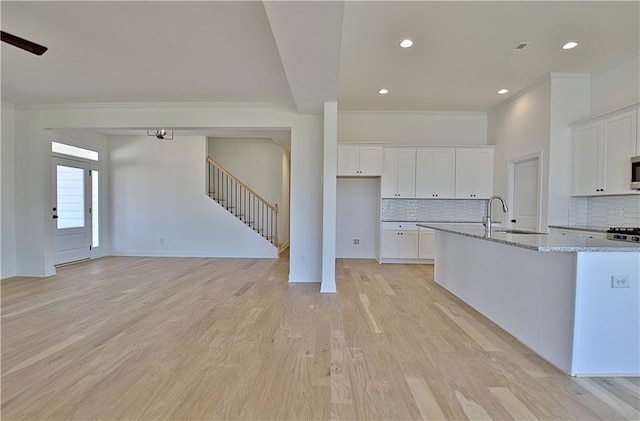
<point>274,208</point>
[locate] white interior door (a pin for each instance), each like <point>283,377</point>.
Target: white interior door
<point>71,210</point>
<point>525,195</point>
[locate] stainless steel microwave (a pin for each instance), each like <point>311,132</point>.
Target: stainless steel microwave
<point>635,173</point>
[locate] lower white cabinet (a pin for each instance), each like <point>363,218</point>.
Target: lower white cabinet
<point>400,243</point>
<point>427,243</point>
<point>401,240</point>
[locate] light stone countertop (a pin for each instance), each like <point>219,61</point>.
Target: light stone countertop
<point>581,228</point>
<point>539,242</point>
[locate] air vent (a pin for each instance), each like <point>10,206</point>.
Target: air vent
<point>518,48</point>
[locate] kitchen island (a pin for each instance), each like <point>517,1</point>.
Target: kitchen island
<point>575,301</point>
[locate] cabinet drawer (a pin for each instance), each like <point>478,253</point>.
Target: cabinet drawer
<point>399,226</point>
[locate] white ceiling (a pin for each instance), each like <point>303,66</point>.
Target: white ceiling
<point>305,53</point>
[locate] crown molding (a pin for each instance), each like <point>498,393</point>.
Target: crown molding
<point>607,114</point>
<point>614,64</point>
<point>413,113</point>
<point>572,76</point>
<point>155,105</point>
<point>544,78</point>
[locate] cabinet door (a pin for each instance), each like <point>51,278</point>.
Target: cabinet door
<point>390,243</point>
<point>427,245</point>
<point>425,171</point>
<point>406,173</point>
<point>619,139</point>
<point>347,160</point>
<point>444,173</point>
<point>408,245</point>
<point>370,158</point>
<point>585,160</point>
<point>389,173</point>
<point>464,174</point>
<point>482,174</point>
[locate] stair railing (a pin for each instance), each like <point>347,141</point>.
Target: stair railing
<point>242,201</point>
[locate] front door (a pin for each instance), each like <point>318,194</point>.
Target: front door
<point>71,210</point>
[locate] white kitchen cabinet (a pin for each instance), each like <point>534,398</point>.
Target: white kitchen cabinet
<point>601,152</point>
<point>427,243</point>
<point>399,241</point>
<point>359,160</point>
<point>474,173</point>
<point>435,173</point>
<point>398,173</point>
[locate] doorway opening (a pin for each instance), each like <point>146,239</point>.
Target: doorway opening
<point>76,203</point>
<point>525,191</point>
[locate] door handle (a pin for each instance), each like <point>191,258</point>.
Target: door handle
<point>513,220</point>
<point>55,216</point>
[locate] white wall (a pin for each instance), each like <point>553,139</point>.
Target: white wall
<point>283,210</point>
<point>256,162</point>
<point>305,263</point>
<point>357,216</point>
<point>616,85</point>
<point>34,243</point>
<point>329,196</point>
<point>520,127</point>
<point>159,206</point>
<point>570,95</point>
<point>413,128</point>
<point>8,194</point>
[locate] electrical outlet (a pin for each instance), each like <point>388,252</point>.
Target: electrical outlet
<point>356,241</point>
<point>619,281</point>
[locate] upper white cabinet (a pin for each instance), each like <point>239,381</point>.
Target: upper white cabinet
<point>435,173</point>
<point>601,151</point>
<point>474,173</point>
<point>398,173</point>
<point>359,160</point>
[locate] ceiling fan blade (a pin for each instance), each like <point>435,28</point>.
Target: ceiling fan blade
<point>29,46</point>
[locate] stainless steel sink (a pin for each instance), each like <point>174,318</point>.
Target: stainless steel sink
<point>511,231</point>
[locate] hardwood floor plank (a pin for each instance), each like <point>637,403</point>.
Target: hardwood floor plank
<point>340,384</point>
<point>473,333</point>
<point>44,354</point>
<point>617,404</point>
<point>472,409</point>
<point>516,408</point>
<point>365,304</point>
<point>424,399</point>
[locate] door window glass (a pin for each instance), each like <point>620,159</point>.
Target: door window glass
<point>95,209</point>
<point>70,182</point>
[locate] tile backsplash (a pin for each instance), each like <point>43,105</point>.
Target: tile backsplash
<point>451,210</point>
<point>605,211</point>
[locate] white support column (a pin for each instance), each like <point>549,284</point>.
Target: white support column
<point>329,197</point>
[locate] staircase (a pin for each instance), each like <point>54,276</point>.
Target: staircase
<point>244,203</point>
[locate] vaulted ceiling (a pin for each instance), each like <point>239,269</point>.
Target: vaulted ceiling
<point>302,54</point>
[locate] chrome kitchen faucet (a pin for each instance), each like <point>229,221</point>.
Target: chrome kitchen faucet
<point>487,219</point>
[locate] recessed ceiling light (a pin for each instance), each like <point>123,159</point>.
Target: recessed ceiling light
<point>406,43</point>
<point>383,91</point>
<point>569,45</point>
<point>502,91</point>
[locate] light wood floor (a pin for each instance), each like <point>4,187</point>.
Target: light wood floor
<point>159,338</point>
